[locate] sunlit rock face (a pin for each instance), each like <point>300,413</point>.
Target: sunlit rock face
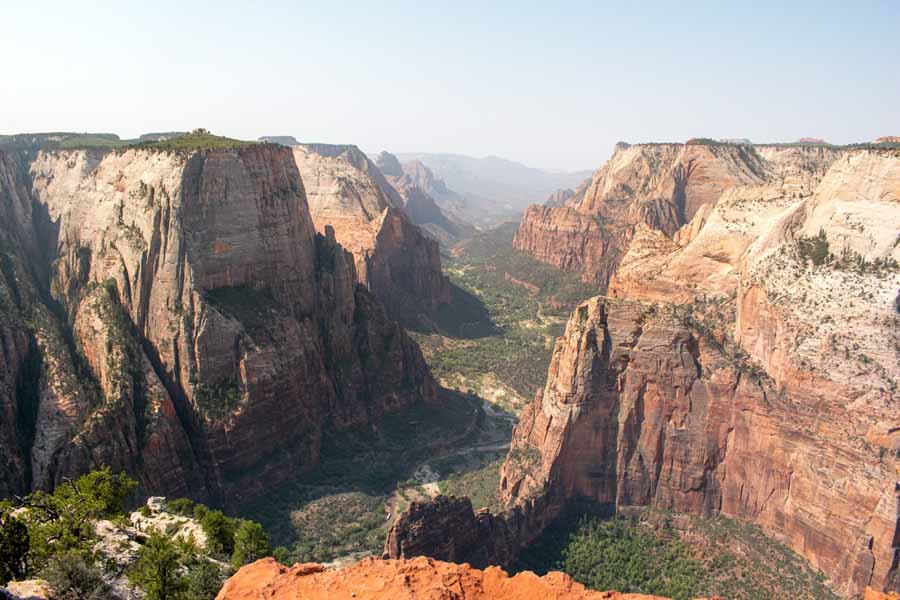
<point>176,315</point>
<point>415,579</point>
<point>744,364</point>
<point>394,259</point>
<point>659,186</point>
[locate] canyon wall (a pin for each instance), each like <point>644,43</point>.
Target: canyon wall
<point>400,265</point>
<point>744,365</point>
<point>176,315</point>
<point>660,186</point>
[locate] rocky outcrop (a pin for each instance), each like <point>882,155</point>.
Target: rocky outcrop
<point>659,186</point>
<point>176,315</point>
<point>559,198</point>
<point>399,264</point>
<point>413,182</point>
<point>419,579</point>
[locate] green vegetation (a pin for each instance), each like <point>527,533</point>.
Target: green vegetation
<point>615,555</point>
<point>528,303</point>
<point>481,485</point>
<point>339,524</point>
<point>62,522</point>
<point>217,401</point>
<point>14,544</point>
<point>817,250</point>
<point>702,557</point>
<point>199,139</point>
<point>814,249</point>
<point>71,577</point>
<point>53,536</point>
<point>93,141</point>
<point>156,571</point>
<point>340,507</point>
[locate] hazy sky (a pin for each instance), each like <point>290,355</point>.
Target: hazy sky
<point>552,85</point>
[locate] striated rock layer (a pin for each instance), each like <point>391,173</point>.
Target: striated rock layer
<point>176,315</point>
<point>399,264</point>
<point>416,579</point>
<point>748,366</point>
<point>660,186</point>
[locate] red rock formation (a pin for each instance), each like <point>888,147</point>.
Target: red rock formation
<point>416,579</point>
<point>888,139</point>
<point>394,259</point>
<point>661,186</point>
<point>645,408</point>
<point>215,333</point>
<point>641,410</point>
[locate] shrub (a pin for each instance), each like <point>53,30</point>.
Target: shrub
<point>14,543</point>
<point>250,544</point>
<point>71,577</point>
<point>181,506</point>
<point>814,248</point>
<point>219,531</point>
<point>157,569</point>
<point>204,580</point>
<point>62,522</point>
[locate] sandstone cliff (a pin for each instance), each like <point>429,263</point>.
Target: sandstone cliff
<point>660,186</point>
<point>399,264</point>
<point>748,366</point>
<point>419,579</point>
<point>176,315</point>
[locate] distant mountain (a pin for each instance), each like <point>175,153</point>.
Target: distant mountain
<point>420,191</point>
<point>495,189</point>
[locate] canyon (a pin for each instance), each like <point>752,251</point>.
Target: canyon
<point>743,361</point>
<point>171,311</point>
<point>203,313</point>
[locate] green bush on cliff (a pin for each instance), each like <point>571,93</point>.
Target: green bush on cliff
<point>52,535</point>
<point>199,139</point>
<point>814,249</point>
<point>62,522</point>
<point>14,545</point>
<point>157,571</point>
<point>250,544</point>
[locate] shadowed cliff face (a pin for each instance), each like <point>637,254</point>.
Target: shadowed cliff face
<point>188,325</point>
<point>394,259</point>
<point>660,186</point>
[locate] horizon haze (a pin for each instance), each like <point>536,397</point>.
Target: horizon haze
<point>550,87</point>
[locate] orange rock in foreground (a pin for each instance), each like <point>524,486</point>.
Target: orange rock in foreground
<point>876,595</point>
<point>420,578</point>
